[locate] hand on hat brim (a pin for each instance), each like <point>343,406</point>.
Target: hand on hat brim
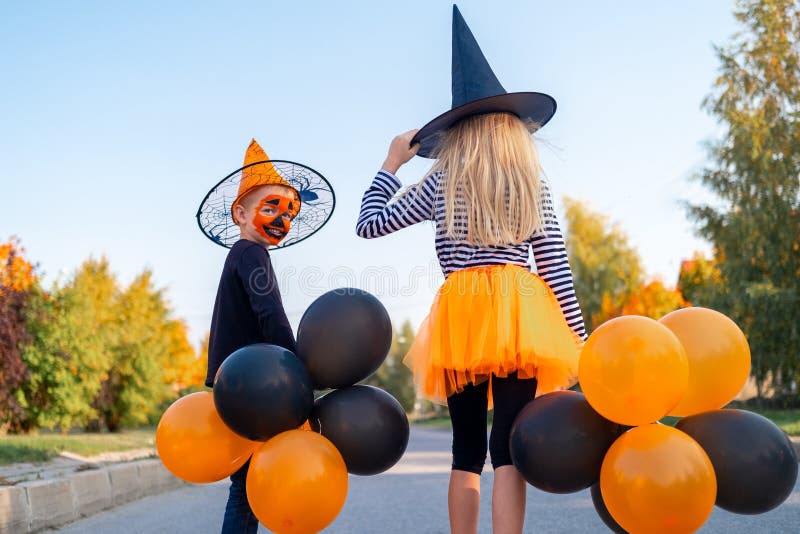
<point>530,107</point>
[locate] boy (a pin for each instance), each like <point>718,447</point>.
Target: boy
<point>248,307</point>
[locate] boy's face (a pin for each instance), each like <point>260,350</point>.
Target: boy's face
<point>266,213</point>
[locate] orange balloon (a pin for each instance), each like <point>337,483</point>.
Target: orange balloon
<point>297,482</point>
<point>656,479</point>
<point>194,443</point>
<point>633,370</point>
<point>718,354</point>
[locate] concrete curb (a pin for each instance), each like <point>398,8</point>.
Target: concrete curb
<point>35,506</point>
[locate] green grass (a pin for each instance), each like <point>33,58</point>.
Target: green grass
<point>788,420</point>
<point>434,422</point>
<point>669,420</point>
<point>44,446</point>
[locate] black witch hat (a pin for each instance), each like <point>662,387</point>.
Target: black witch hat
<point>476,90</point>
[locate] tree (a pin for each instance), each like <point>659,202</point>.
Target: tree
<point>202,356</point>
<point>73,330</point>
<point>700,281</point>
<point>87,353</point>
<point>754,173</point>
<point>16,273</point>
<point>16,278</point>
<point>652,300</point>
<point>183,366</point>
<point>393,375</point>
<point>605,266</point>
<point>135,385</point>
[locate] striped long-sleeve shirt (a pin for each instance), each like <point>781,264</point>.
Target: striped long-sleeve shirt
<point>380,216</point>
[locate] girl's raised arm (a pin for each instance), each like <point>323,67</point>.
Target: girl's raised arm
<point>380,217</point>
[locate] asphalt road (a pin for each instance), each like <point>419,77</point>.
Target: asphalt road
<point>410,498</point>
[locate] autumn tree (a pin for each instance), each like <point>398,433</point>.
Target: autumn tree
<point>135,384</point>
<point>652,299</point>
<point>605,266</point>
<point>16,279</point>
<point>202,356</point>
<point>85,352</point>
<point>393,375</point>
<point>16,273</point>
<point>700,281</point>
<point>73,331</point>
<point>754,172</point>
<point>183,366</point>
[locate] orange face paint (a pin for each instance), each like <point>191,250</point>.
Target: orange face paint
<point>274,215</point>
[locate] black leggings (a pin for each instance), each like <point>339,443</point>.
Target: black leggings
<point>468,410</point>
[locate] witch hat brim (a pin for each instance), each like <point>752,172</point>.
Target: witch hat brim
<point>538,108</point>
<point>476,91</point>
<point>316,197</point>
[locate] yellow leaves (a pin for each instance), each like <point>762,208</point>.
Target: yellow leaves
<point>604,263</point>
<point>182,365</point>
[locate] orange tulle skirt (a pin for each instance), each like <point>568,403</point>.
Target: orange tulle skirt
<point>493,320</point>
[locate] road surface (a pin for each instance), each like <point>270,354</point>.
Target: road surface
<point>411,498</point>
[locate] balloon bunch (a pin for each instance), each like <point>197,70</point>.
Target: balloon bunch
<point>646,476</point>
<point>343,338</point>
<point>263,409</point>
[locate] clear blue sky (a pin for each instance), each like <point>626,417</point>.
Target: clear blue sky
<point>117,117</point>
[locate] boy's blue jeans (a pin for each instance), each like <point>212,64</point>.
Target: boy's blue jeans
<point>239,518</point>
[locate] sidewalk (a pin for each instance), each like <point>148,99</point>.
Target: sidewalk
<point>34,497</point>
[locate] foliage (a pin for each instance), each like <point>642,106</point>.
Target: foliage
<point>135,383</point>
<point>100,355</point>
<point>700,280</point>
<point>393,375</point>
<point>183,366</point>
<point>16,273</point>
<point>16,278</point>
<point>72,332</point>
<point>605,267</point>
<point>184,370</point>
<point>651,300</point>
<point>754,173</point>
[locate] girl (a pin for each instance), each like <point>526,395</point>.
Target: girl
<point>496,331</point>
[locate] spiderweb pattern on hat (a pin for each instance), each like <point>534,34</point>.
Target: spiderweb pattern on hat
<point>316,196</point>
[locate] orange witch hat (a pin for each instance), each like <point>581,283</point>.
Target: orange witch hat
<point>257,170</point>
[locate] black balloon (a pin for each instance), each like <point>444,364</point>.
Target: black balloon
<point>262,390</point>
<point>367,425</point>
<point>602,511</point>
<point>343,337</point>
<point>558,442</point>
<point>754,460</point>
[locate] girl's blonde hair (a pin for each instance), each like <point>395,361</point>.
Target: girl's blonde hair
<point>492,180</point>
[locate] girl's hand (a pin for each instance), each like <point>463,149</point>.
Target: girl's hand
<point>400,151</point>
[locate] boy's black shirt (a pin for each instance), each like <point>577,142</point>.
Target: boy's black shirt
<point>248,308</point>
